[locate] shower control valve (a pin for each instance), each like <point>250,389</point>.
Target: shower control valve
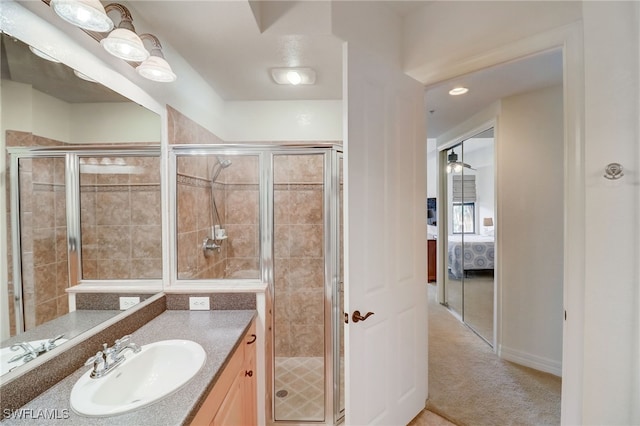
<point>208,245</point>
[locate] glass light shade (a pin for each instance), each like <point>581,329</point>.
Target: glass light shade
<point>125,44</point>
<point>87,14</point>
<point>83,76</point>
<point>157,69</point>
<point>43,55</point>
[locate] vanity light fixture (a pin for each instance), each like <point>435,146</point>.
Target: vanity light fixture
<point>293,76</point>
<point>41,54</point>
<point>123,42</point>
<point>155,68</point>
<point>86,14</point>
<point>458,91</point>
<point>83,76</point>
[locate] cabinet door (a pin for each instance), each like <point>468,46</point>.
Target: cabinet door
<point>250,379</point>
<point>231,412</point>
<point>250,388</point>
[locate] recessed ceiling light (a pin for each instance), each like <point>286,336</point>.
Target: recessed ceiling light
<point>293,76</point>
<point>458,91</point>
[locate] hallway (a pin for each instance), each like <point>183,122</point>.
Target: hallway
<point>470,385</point>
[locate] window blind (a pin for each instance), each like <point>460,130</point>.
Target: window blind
<point>464,188</point>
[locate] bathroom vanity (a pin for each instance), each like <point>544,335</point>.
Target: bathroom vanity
<point>223,389</point>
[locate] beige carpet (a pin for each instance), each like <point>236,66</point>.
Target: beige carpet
<point>471,386</point>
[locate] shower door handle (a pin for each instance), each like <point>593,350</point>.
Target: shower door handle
<point>358,317</point>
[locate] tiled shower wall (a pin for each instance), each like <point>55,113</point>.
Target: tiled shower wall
<point>237,198</point>
<point>194,223</point>
<point>299,255</point>
<point>121,222</point>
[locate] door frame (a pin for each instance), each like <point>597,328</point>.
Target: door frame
<point>569,38</point>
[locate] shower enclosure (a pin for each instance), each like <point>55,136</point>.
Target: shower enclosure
<point>80,214</point>
<point>273,213</point>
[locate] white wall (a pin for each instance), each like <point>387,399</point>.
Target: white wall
<point>530,227</point>
<point>612,245</point>
<point>283,121</point>
<point>432,168</point>
<point>113,122</point>
<point>30,110</point>
<point>448,35</point>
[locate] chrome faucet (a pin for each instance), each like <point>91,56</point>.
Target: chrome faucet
<point>106,360</point>
<point>29,353</point>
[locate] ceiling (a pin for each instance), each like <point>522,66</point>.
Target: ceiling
<point>487,86</point>
<point>234,44</point>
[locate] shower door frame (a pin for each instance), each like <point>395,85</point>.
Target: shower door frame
<point>333,315</point>
<point>71,156</point>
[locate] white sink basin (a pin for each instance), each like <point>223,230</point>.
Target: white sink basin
<point>156,371</point>
<point>6,354</point>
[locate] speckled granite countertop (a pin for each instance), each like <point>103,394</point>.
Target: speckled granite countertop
<point>218,332</point>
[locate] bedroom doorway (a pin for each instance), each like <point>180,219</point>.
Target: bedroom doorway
<point>469,285</point>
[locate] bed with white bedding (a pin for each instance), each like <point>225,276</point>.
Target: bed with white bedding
<point>479,253</point>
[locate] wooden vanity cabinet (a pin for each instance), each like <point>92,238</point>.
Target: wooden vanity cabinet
<point>233,399</point>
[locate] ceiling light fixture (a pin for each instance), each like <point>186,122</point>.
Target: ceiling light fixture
<point>155,68</point>
<point>86,14</point>
<point>123,42</point>
<point>41,54</point>
<point>293,76</point>
<point>458,91</point>
<point>455,166</point>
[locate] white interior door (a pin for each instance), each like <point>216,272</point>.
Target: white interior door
<point>385,232</point>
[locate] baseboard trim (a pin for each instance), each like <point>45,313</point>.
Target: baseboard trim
<point>529,360</point>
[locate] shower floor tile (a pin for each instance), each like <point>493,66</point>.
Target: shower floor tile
<point>303,380</point>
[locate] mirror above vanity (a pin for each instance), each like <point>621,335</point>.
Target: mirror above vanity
<point>83,217</point>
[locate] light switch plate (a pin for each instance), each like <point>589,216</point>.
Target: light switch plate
<point>199,303</point>
<point>127,302</point>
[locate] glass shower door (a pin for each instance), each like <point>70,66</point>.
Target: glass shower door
<point>299,297</point>
<point>43,241</point>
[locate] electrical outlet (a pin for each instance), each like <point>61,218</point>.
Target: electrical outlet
<point>127,302</point>
<point>199,303</point>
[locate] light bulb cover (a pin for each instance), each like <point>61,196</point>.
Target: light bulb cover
<point>456,91</point>
<point>83,76</point>
<point>157,69</point>
<point>125,44</point>
<point>86,14</point>
<point>293,76</point>
<point>39,53</point>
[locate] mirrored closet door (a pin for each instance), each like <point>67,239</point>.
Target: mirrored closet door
<point>470,201</point>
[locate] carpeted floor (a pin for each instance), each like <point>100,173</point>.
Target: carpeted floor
<point>470,386</point>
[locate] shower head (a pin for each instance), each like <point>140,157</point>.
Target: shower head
<point>217,168</point>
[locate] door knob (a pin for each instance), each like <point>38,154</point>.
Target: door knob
<point>357,317</point>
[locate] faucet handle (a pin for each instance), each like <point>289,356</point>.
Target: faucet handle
<point>121,341</point>
<point>96,360</point>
